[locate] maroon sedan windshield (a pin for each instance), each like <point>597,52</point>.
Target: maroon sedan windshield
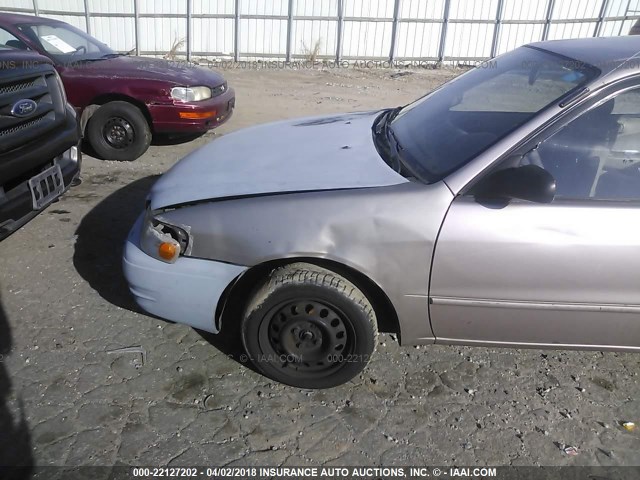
<point>66,43</point>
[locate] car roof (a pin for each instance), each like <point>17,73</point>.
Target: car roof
<point>16,18</point>
<point>608,54</point>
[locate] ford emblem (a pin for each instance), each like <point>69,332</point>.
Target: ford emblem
<point>23,108</point>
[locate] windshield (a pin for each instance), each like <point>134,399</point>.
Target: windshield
<point>66,44</point>
<point>447,128</point>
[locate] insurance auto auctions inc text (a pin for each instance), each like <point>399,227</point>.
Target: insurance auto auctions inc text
<point>361,472</point>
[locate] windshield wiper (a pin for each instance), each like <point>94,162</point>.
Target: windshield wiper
<point>99,59</point>
<point>385,133</point>
<point>387,117</point>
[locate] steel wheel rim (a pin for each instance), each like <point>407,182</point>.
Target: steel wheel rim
<point>306,337</point>
<point>118,132</point>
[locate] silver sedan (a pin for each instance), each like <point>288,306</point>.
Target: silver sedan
<point>502,209</point>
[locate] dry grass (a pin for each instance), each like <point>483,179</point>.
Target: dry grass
<point>311,54</point>
<point>177,45</point>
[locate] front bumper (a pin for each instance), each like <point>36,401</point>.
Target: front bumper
<point>186,291</point>
<point>166,118</point>
<point>16,205</point>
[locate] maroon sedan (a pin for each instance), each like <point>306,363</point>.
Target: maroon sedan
<point>123,100</point>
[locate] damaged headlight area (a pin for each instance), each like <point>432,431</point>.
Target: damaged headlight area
<point>163,241</point>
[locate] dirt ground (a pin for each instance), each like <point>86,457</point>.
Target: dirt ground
<point>70,396</point>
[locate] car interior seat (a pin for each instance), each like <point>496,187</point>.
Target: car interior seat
<point>19,44</point>
<point>573,156</point>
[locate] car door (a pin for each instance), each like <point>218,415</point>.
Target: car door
<point>566,273</point>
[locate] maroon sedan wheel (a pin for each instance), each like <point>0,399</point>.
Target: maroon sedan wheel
<point>119,131</point>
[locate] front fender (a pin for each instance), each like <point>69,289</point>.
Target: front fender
<point>387,233</point>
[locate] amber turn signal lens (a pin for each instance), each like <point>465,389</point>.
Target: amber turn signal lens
<point>197,115</point>
<point>168,251</point>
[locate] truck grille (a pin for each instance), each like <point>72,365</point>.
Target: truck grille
<point>39,85</point>
<point>16,87</point>
<point>22,126</point>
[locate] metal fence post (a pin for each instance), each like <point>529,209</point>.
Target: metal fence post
<point>236,32</point>
<point>496,30</point>
<point>36,10</point>
<point>443,33</point>
<point>289,30</point>
<point>87,16</point>
<point>603,12</point>
<point>626,14</point>
<point>394,31</point>
<point>339,30</point>
<point>547,23</point>
<point>189,12</point>
<point>136,25</point>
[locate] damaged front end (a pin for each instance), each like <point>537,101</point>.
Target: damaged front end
<point>164,241</point>
<point>168,283</point>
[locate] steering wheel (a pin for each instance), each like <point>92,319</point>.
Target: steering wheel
<point>80,49</point>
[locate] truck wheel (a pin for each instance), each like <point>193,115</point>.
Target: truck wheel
<point>309,327</point>
<point>119,131</point>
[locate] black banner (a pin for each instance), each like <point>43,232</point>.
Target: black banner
<point>338,473</point>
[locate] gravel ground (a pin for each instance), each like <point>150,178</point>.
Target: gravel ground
<point>70,396</point>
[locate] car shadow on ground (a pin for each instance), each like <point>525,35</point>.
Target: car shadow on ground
<point>175,139</point>
<point>15,439</point>
<point>100,241</point>
<point>228,340</point>
<point>156,140</point>
<point>98,257</point>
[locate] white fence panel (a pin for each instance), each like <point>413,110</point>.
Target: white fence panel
<point>577,9</point>
<point>473,9</point>
<point>213,36</point>
<point>219,7</point>
<point>421,10</point>
<point>525,10</point>
<point>162,35</point>
<point>369,9</point>
<point>119,33</point>
<point>61,5</point>
<point>418,40</point>
<point>263,37</point>
<point>23,4</point>
<point>435,30</point>
<point>163,6</point>
<point>366,39</point>
<point>307,34</point>
<point>315,8</point>
<point>111,6</point>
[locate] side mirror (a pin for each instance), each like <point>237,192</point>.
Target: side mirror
<point>528,182</point>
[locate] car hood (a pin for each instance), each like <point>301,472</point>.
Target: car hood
<point>311,154</point>
<point>178,73</point>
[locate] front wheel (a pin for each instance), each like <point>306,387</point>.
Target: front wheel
<point>119,131</point>
<point>309,327</point>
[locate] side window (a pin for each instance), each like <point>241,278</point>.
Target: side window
<point>10,40</point>
<point>597,155</point>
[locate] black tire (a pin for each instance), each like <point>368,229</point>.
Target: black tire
<point>119,131</point>
<point>309,327</point>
